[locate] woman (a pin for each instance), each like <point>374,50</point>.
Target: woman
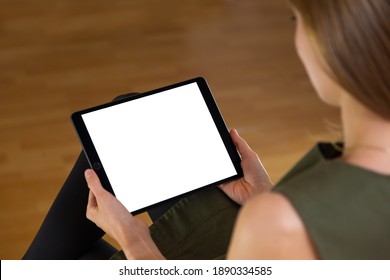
<point>334,203</point>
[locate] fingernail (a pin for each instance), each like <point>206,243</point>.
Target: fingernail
<point>88,173</point>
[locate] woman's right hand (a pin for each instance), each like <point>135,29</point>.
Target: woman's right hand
<point>255,180</point>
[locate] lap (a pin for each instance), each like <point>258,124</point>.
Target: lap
<point>196,227</point>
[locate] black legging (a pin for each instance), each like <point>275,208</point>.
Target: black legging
<point>66,233</point>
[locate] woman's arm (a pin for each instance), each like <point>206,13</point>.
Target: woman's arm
<point>268,227</point>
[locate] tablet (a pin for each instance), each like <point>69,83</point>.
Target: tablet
<point>158,145</point>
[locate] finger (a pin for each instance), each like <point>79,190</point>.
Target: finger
<point>93,182</point>
<point>241,145</point>
<point>91,206</point>
<point>92,203</point>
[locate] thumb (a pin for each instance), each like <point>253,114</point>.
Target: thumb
<point>93,182</point>
<point>241,145</point>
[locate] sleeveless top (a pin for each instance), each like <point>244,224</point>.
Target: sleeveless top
<point>345,208</point>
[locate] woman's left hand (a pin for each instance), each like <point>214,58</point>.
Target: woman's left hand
<point>108,213</point>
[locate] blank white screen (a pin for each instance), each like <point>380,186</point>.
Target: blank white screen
<point>159,146</point>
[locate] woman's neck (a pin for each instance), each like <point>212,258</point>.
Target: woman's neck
<point>366,137</point>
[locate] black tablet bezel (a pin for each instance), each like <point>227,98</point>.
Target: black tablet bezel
<point>93,157</point>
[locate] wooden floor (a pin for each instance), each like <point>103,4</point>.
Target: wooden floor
<point>59,56</point>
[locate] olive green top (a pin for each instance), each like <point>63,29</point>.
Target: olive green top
<point>345,208</point>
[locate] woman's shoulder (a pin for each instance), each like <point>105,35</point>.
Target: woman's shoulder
<point>268,227</point>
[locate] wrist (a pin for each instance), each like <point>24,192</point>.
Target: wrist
<point>142,251</point>
<point>137,243</point>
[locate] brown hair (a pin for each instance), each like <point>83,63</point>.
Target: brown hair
<point>353,36</point>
